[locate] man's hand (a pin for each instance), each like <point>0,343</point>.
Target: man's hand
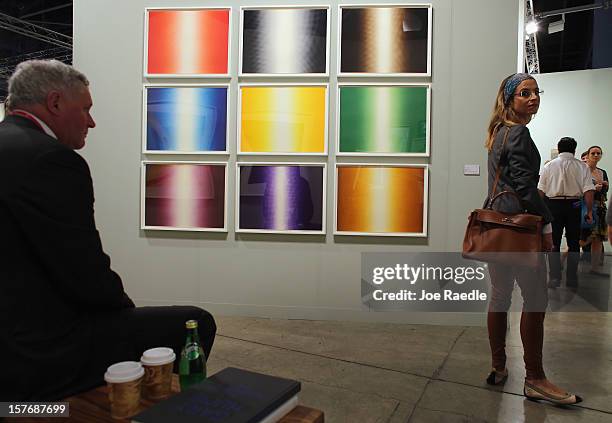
<point>588,218</point>
<point>547,242</point>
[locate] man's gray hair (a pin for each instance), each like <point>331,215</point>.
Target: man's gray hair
<point>34,79</point>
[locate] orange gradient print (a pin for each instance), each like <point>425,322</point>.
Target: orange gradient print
<point>380,199</point>
<point>188,42</point>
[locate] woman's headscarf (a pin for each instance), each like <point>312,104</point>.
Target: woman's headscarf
<point>512,83</point>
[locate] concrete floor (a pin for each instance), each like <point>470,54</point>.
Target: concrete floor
<point>373,372</point>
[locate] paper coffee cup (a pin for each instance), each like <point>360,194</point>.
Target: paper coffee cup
<point>124,382</point>
<point>157,363</point>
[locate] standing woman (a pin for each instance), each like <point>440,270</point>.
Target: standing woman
<point>597,234</point>
<point>518,99</point>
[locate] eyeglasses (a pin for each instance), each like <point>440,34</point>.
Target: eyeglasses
<point>525,93</point>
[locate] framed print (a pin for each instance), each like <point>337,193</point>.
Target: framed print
<point>185,119</point>
<point>280,197</point>
<point>284,41</point>
<point>381,199</point>
<point>282,119</point>
<point>187,42</point>
<point>383,120</point>
<point>184,196</point>
<point>384,40</point>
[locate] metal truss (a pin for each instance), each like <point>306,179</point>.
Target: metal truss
<point>7,66</point>
<point>603,4</point>
<point>31,30</point>
<point>532,60</point>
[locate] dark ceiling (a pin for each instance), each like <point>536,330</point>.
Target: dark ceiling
<point>54,15</point>
<point>585,42</point>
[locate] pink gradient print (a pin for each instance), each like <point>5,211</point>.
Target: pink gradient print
<point>185,196</point>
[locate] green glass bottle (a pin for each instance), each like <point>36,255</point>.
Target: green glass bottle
<point>192,367</point>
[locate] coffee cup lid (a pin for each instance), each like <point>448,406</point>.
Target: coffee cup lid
<point>125,371</point>
<point>157,356</point>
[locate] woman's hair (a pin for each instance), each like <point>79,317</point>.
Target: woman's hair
<point>592,147</point>
<point>503,114</point>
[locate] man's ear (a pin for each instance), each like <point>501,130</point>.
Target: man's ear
<point>53,102</point>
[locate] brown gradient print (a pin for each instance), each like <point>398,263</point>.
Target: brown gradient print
<point>384,40</point>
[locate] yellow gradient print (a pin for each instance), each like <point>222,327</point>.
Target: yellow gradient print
<point>377,199</point>
<point>283,119</point>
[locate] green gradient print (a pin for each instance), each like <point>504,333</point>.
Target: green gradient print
<point>383,120</point>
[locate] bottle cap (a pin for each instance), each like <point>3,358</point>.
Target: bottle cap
<point>191,324</point>
<point>125,371</point>
<point>157,356</point>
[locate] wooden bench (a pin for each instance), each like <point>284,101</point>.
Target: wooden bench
<point>94,406</point>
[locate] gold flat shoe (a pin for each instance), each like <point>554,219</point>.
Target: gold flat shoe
<point>534,393</point>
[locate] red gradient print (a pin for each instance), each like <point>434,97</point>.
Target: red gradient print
<point>188,41</point>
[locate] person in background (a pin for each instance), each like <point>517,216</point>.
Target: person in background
<point>518,99</point>
<point>609,220</point>
<point>583,157</point>
<point>597,233</point>
<point>564,181</point>
<point>64,313</point>
<point>585,246</point>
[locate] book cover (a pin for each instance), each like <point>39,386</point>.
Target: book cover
<point>230,396</point>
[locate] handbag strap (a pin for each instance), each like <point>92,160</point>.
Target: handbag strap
<point>499,166</point>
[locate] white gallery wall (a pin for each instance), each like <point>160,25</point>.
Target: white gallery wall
<point>575,104</point>
<point>287,276</point>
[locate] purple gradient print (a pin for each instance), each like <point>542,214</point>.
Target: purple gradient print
<point>281,198</point>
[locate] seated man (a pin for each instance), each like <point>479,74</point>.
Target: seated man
<point>64,315</point>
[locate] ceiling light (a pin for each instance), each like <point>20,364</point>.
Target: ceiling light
<point>531,27</point>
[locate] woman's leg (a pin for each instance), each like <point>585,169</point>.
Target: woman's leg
<point>535,300</point>
<point>497,326</point>
<point>532,335</point>
<point>502,282</point>
<point>596,250</point>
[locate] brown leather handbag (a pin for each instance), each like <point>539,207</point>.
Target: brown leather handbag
<point>496,237</point>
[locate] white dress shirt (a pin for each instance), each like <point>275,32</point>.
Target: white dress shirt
<point>565,176</point>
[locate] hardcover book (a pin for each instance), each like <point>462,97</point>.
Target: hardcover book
<point>230,396</point>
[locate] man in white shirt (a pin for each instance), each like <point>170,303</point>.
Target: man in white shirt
<point>564,181</point>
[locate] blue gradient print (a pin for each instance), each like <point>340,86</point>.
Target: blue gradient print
<point>186,119</point>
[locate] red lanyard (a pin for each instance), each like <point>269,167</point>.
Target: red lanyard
<point>27,115</point>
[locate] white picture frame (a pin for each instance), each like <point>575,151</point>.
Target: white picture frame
<point>323,166</point>
<point>428,6</point>
<point>143,225</point>
<point>422,234</point>
<point>149,75</point>
<point>283,75</point>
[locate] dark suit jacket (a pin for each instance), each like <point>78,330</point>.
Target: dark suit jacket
<point>520,162</point>
<point>53,271</point>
